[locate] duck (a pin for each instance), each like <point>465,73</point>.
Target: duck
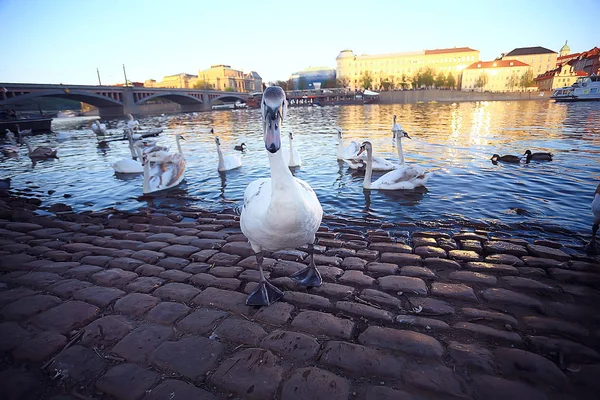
<point>132,123</point>
<point>98,128</point>
<point>404,177</point>
<point>280,212</point>
<point>292,158</point>
<point>226,162</point>
<point>162,171</point>
<point>240,147</point>
<point>346,152</point>
<point>506,158</point>
<point>40,153</point>
<point>537,156</point>
<point>593,247</point>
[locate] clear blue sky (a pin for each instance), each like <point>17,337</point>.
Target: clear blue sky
<point>64,41</point>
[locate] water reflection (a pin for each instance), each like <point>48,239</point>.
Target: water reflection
<point>454,140</point>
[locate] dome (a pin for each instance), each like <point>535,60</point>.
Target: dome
<point>345,54</point>
<point>565,48</point>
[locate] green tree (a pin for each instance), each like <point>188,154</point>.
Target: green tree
<point>404,82</point>
<point>481,81</point>
<point>343,81</point>
<point>513,81</point>
<point>389,83</point>
<point>414,80</point>
<point>229,89</point>
<point>440,80</point>
<point>366,80</point>
<point>283,85</point>
<point>451,81</point>
<point>526,79</point>
<point>302,83</point>
<point>428,77</point>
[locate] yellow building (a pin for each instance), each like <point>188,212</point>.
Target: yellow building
<point>561,76</point>
<point>180,81</point>
<point>539,58</point>
<point>351,68</point>
<point>493,76</point>
<point>223,77</point>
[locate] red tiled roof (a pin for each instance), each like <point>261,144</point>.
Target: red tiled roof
<point>452,50</point>
<point>581,73</point>
<point>567,56</point>
<point>499,64</point>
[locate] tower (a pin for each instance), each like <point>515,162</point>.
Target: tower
<point>565,50</point>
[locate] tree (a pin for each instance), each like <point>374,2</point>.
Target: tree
<point>427,77</point>
<point>283,85</point>
<point>450,81</point>
<point>481,81</point>
<point>302,83</point>
<point>414,80</point>
<point>366,80</point>
<point>440,80</point>
<point>343,81</point>
<point>526,79</point>
<point>229,89</point>
<point>404,82</point>
<point>513,81</point>
<point>388,83</point>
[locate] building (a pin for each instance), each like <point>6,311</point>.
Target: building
<point>399,68</point>
<point>564,50</point>
<point>223,77</point>
<point>588,62</point>
<point>494,76</point>
<point>561,76</point>
<point>177,81</point>
<point>306,78</point>
<point>540,59</point>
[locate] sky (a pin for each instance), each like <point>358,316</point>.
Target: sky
<point>66,41</point>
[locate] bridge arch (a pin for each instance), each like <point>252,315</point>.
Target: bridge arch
<point>179,98</point>
<point>94,99</point>
<point>230,98</point>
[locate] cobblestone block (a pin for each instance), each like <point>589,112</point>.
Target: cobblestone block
<point>554,325</point>
<point>148,256</point>
<point>404,284</point>
<point>12,335</point>
<point>522,364</point>
<point>319,323</point>
<point>139,345</point>
<point>166,312</point>
<point>38,280</point>
<point>98,295</point>
<point>191,357</point>
<point>9,296</point>
<point>418,272</point>
<point>475,314</point>
<point>66,316</point>
<point>292,344</point>
<point>455,291</point>
<point>464,255</point>
<point>382,269</point>
<point>333,290</point>
<point>421,322</point>
<point>251,373</point>
<point>113,277</point>
<point>145,284</point>
<point>486,331</point>
<point>173,263</point>
<point>276,314</point>
<point>401,259</point>
<point>360,360</point>
<point>548,252</point>
<point>40,347</point>
<point>313,383</point>
<point>177,292</point>
<point>494,247</point>
<point>174,389</point>
<point>223,299</point>
<point>127,381</point>
<point>495,388</point>
<point>436,378</point>
<point>507,259</point>
<point>82,272</point>
<point>504,296</point>
<point>440,264</point>
<point>471,356</point>
<point>202,321</point>
<point>473,277</point>
<point>79,364</point>
<point>364,311</point>
<point>106,331</point>
<point>401,340</point>
<point>492,268</point>
<point>28,306</point>
<point>136,305</point>
<point>353,263</point>
<point>569,348</point>
<point>381,298</point>
<point>179,250</point>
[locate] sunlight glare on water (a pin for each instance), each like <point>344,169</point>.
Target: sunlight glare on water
<point>454,141</point>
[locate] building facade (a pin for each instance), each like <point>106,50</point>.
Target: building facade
<point>401,67</point>
<point>540,59</point>
<point>588,62</point>
<point>307,78</point>
<point>494,76</point>
<point>223,77</point>
<point>561,76</point>
<point>177,81</point>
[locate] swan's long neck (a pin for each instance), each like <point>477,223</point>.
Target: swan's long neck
<point>369,171</point>
<point>220,153</point>
<point>282,180</point>
<point>179,146</point>
<point>146,179</point>
<point>292,160</point>
<point>131,148</point>
<point>29,149</point>
<point>340,154</point>
<point>399,147</point>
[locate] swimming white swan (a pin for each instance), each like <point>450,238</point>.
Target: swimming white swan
<point>346,152</point>
<point>23,132</point>
<point>10,149</point>
<point>98,128</point>
<point>593,246</point>
<point>128,165</point>
<point>164,171</point>
<point>292,158</point>
<point>132,123</point>
<point>226,162</point>
<point>281,212</point>
<point>40,153</point>
<point>405,177</point>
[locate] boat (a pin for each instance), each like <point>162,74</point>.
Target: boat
<point>67,114</point>
<point>586,88</point>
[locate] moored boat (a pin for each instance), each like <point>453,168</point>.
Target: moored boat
<point>42,124</point>
<point>584,89</point>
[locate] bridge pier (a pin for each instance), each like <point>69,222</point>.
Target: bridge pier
<point>129,106</point>
<point>192,107</point>
<point>110,112</point>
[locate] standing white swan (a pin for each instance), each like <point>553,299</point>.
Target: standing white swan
<point>396,127</point>
<point>226,162</point>
<point>292,158</point>
<point>405,177</point>
<point>98,128</point>
<point>346,152</point>
<point>132,123</point>
<point>162,170</point>
<point>281,212</point>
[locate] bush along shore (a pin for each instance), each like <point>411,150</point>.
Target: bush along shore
<point>151,304</point>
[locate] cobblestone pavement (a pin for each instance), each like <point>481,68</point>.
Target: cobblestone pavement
<point>151,305</point>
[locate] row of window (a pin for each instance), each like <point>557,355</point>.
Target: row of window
<point>381,64</point>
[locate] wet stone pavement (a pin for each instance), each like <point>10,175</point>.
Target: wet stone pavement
<point>151,305</point>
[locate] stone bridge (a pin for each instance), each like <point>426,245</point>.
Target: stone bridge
<point>115,101</point>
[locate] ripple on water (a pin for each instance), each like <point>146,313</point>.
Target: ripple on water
<point>454,141</point>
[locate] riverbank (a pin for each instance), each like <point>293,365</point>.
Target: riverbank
<point>452,96</point>
<point>151,304</point>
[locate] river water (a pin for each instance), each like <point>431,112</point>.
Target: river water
<point>454,141</point>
